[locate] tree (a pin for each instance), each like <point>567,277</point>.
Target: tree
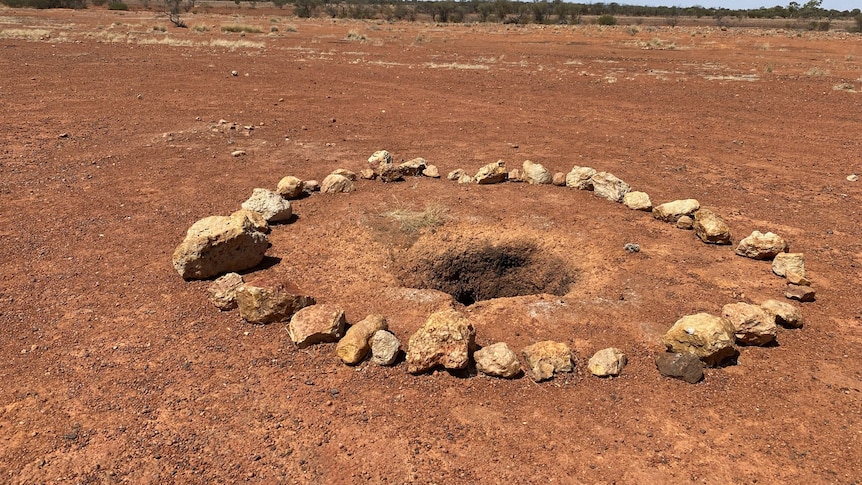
<point>175,7</point>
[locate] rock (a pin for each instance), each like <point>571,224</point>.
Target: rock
<point>515,176</point>
<point>535,173</point>
<point>493,173</point>
<point>638,201</point>
<point>289,187</point>
<point>357,340</point>
<point>219,244</point>
<point>367,174</point>
<point>632,248</point>
<point>413,168</point>
<point>446,339</point>
<point>685,223</point>
<point>431,171</point>
<point>761,246</point>
<point>222,291</point>
<point>273,207</point>
<point>754,325</point>
<point>316,324</point>
<point>311,186</point>
<point>580,178</point>
<point>709,337</point>
<point>456,174</point>
<point>784,313</point>
<point>610,187</point>
<point>799,292</point>
<point>344,173</point>
<point>607,362</point>
<point>255,218</point>
<point>237,153</point>
<point>792,267</point>
<point>672,211</point>
<point>852,178</point>
<point>384,348</point>
<point>685,366</point>
<point>465,179</point>
<point>378,158</point>
<point>335,183</point>
<point>268,301</point>
<point>547,358</point>
<point>710,227</point>
<point>559,179</point>
<point>497,360</point>
<point>390,173</point>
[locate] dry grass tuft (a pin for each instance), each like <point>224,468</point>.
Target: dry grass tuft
<point>412,221</point>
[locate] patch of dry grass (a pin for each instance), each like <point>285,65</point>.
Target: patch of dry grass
<point>412,221</point>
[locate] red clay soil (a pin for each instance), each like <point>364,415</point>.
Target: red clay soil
<point>115,369</point>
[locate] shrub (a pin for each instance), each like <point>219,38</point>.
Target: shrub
<point>241,28</point>
<point>607,20</point>
<point>117,6</point>
<point>858,20</point>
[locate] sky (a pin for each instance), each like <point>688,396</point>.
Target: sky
<point>742,4</point>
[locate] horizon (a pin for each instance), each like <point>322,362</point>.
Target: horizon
<point>840,5</point>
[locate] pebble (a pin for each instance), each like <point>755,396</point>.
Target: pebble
<point>852,178</point>
<point>632,248</point>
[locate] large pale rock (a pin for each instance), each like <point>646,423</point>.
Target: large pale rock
<point>493,173</point>
<point>784,313</point>
<point>446,339</point>
<point>753,324</point>
<point>381,162</point>
<point>316,324</point>
<point>709,337</point>
<point>219,244</point>
<point>222,292</point>
<point>497,360</point>
<point>609,186</point>
<point>273,207</point>
<point>761,246</point>
<point>431,171</point>
<point>580,178</point>
<point>792,267</point>
<point>379,158</point>
<point>255,218</point>
<point>384,347</point>
<point>672,211</point>
<point>413,168</point>
<point>336,183</point>
<point>357,340</point>
<point>607,362</point>
<point>685,366</point>
<point>349,175</point>
<point>547,358</point>
<point>267,301</point>
<point>289,187</point>
<point>535,173</point>
<point>710,227</point>
<point>638,201</point>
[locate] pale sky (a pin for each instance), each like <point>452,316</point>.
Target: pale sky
<point>741,4</point>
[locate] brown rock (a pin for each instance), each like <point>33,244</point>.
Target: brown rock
<point>345,173</point>
<point>754,325</point>
<point>638,201</point>
<point>356,342</point>
<point>367,174</point>
<point>255,218</point>
<point>413,168</point>
<point>710,227</point>
<point>685,223</point>
<point>672,211</point>
<point>547,358</point>
<point>515,176</point>
<point>266,301</point>
<point>792,267</point>
<point>335,183</point>
<point>219,244</point>
<point>289,187</point>
<point>316,324</point>
<point>801,293</point>
<point>559,179</point>
<point>686,366</point>
<point>709,337</point>
<point>784,313</point>
<point>493,173</point>
<point>497,360</point>
<point>761,246</point>
<point>222,292</point>
<point>446,339</point>
<point>456,174</point>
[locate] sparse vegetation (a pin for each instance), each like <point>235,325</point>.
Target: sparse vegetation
<point>355,36</point>
<point>606,20</point>
<point>201,28</point>
<point>412,221</point>
<point>816,71</point>
<point>117,6</point>
<point>246,29</point>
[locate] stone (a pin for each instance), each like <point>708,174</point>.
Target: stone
<point>273,207</point>
<point>497,360</point>
<point>852,178</point>
<point>515,176</point>
<point>311,186</point>
<point>761,246</point>
<point>335,183</point>
<point>316,324</point>
<point>753,324</point>
<point>607,362</point>
<point>413,168</point>
<point>799,292</point>
<point>431,171</point>
<point>357,340</point>
<point>446,339</point>
<point>547,358</point>
<point>685,222</point>
<point>268,301</point>
<point>219,244</point>
<point>610,187</point>
<point>710,227</point>
<point>792,267</point>
<point>289,187</point>
<point>709,337</point>
<point>559,179</point>
<point>638,201</point>
<point>580,178</point>
<point>672,211</point>
<point>390,173</point>
<point>255,218</point>
<point>456,174</point>
<point>378,158</point>
<point>222,291</point>
<point>687,367</point>
<point>344,173</point>
<point>493,173</point>
<point>632,247</point>
<point>237,153</point>
<point>367,174</point>
<point>784,313</point>
<point>384,348</point>
<point>465,179</point>
<point>535,173</point>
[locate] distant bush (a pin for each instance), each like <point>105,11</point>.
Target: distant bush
<point>117,6</point>
<point>858,20</point>
<point>241,28</point>
<point>43,4</point>
<point>607,20</point>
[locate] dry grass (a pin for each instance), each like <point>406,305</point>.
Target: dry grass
<point>458,66</point>
<point>244,29</point>
<point>412,221</point>
<point>25,34</point>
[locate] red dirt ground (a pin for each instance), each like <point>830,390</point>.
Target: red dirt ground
<point>114,369</point>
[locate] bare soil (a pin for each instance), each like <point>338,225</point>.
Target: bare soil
<point>114,369</point>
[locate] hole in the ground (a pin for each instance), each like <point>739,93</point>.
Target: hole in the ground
<point>483,272</point>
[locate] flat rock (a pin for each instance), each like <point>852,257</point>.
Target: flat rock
<point>559,179</point>
<point>792,267</point>
<point>687,367</point>
<point>685,222</point>
<point>446,339</point>
<point>580,178</point>
<point>497,360</point>
<point>316,324</point>
<point>384,347</point>
<point>800,293</point>
<point>357,340</point>
<point>413,168</point>
<point>547,358</point>
<point>753,324</point>
<point>607,362</point>
<point>219,244</point>
<point>711,228</point>
<point>431,171</point>
<point>609,186</point>
<point>638,201</point>
<point>493,173</point>
<point>709,337</point>
<point>784,313</point>
<point>289,187</point>
<point>349,175</point>
<point>273,207</point>
<point>222,291</point>
<point>536,173</point>
<point>672,211</point>
<point>761,246</point>
<point>268,301</point>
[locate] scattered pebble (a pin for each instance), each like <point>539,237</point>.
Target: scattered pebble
<point>632,248</point>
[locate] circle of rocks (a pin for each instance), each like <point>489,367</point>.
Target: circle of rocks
<point>218,245</point>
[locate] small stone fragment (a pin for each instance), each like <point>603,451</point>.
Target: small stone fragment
<point>431,171</point>
<point>316,324</point>
<point>492,173</point>
<point>580,178</point>
<point>638,201</point>
<point>710,227</point>
<point>515,176</point>
<point>446,339</point>
<point>384,348</point>
<point>535,173</point>
<point>289,187</point>
<point>311,186</point>
<point>547,358</point>
<point>761,246</point>
<point>357,340</point>
<point>792,267</point>
<point>367,174</point>
<point>632,248</point>
<point>610,187</point>
<point>784,313</point>
<point>687,367</point>
<point>465,179</point>
<point>709,337</point>
<point>559,179</point>
<point>267,301</point>
<point>672,211</point>
<point>685,222</point>
<point>413,168</point>
<point>497,360</point>
<point>799,292</point>
<point>456,174</point>
<point>852,178</point>
<point>607,362</point>
<point>255,218</point>
<point>753,324</point>
<point>237,153</point>
<point>222,291</point>
<point>335,183</point>
<point>273,207</point>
